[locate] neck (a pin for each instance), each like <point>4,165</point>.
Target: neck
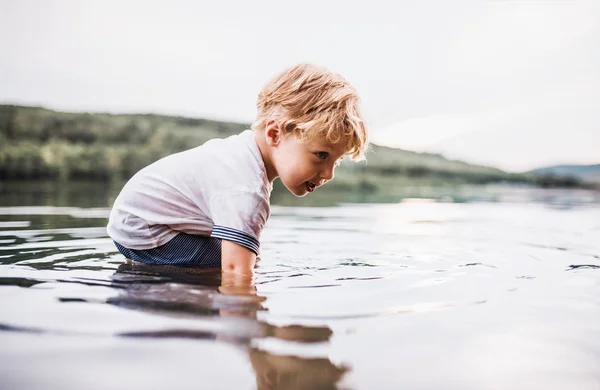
<point>266,156</point>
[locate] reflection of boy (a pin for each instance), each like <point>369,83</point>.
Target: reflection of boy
<point>207,206</point>
<point>276,371</point>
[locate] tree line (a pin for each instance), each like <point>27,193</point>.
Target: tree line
<point>37,143</point>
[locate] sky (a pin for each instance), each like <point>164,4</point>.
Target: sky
<point>515,85</point>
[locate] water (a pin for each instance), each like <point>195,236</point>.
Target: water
<point>498,292</point>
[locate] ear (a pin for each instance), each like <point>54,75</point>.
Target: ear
<point>273,133</point>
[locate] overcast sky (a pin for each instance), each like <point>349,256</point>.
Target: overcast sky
<point>510,84</point>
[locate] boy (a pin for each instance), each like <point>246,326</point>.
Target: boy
<point>207,206</point>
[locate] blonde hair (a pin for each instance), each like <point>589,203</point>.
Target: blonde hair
<point>310,101</point>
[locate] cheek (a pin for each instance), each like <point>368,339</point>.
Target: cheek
<point>297,171</point>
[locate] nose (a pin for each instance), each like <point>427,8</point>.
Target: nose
<point>328,173</point>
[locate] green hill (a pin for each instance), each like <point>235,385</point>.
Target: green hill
<point>586,173</point>
<point>39,143</point>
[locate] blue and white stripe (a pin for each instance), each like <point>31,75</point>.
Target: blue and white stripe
<point>239,237</point>
<point>183,249</point>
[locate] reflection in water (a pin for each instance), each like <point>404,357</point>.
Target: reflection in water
<point>442,283</point>
<point>231,308</point>
<point>290,372</point>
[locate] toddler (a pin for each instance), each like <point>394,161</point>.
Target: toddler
<point>207,206</point>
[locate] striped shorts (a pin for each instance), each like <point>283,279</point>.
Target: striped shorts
<point>183,249</point>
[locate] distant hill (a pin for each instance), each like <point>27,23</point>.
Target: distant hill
<point>39,143</point>
<point>382,156</point>
<point>587,173</point>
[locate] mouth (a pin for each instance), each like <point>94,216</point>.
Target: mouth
<point>310,186</point>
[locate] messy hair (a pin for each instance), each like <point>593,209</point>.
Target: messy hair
<point>312,102</point>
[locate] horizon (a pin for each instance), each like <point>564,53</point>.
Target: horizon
<point>457,82</point>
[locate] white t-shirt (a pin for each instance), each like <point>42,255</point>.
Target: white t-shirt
<point>219,189</point>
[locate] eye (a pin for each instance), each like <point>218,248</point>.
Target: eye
<point>322,155</point>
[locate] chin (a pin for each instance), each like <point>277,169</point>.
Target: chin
<point>299,194</point>
<point>297,191</point>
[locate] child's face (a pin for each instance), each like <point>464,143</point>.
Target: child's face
<point>304,166</point>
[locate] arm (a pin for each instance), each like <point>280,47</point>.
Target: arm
<point>237,266</point>
<point>237,260</point>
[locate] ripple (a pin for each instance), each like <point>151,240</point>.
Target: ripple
<point>583,266</point>
<point>14,224</point>
<point>359,278</point>
<point>75,212</point>
<point>63,277</point>
<point>355,263</point>
<point>476,264</point>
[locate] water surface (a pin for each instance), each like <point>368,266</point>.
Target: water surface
<point>494,292</point>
